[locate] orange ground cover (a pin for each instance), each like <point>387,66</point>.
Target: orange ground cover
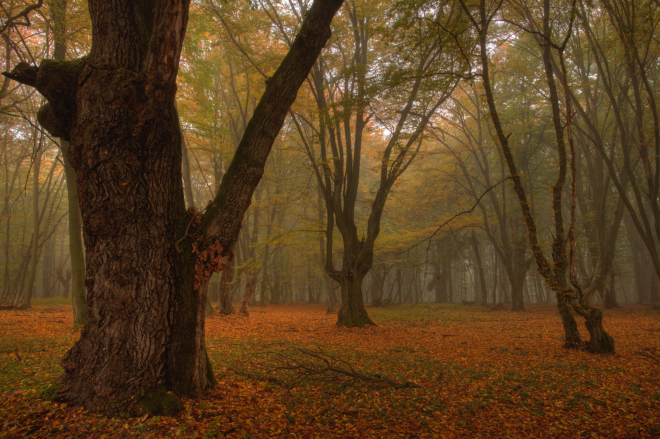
<point>482,374</point>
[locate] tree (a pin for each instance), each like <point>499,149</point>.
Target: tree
<point>569,296</point>
<point>146,256</point>
<point>363,82</point>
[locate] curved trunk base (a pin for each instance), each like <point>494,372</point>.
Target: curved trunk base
<point>352,313</point>
<point>600,342</point>
<point>353,318</point>
<point>572,338</point>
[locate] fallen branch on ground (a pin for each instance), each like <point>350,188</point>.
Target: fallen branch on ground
<point>651,354</point>
<point>302,364</point>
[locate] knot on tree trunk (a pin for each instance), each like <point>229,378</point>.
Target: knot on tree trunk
<point>57,81</point>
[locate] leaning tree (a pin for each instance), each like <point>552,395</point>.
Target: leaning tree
<point>143,343</point>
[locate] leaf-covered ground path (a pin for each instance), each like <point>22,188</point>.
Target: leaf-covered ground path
<point>482,374</point>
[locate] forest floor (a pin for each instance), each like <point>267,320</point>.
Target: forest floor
<point>481,374</point>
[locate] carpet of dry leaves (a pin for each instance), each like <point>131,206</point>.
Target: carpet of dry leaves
<point>482,374</point>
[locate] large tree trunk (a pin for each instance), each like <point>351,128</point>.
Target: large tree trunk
<point>145,333</point>
<point>356,264</point>
<point>352,312</point>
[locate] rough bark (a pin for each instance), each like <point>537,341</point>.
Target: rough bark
<point>352,312</point>
<point>143,344</point>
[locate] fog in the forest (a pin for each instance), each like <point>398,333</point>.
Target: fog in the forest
<point>444,163</point>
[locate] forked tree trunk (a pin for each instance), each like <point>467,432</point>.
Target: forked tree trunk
<point>143,343</point>
<point>555,274</point>
<point>355,266</point>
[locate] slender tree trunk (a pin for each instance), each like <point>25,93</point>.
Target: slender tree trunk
<point>76,246</point>
<point>482,299</point>
<point>35,234</point>
<point>610,294</point>
<point>276,293</point>
<point>264,276</point>
<point>226,289</point>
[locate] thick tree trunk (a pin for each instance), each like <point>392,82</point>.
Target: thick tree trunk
<point>572,338</point>
<point>355,266</point>
<point>145,332</point>
<point>352,312</point>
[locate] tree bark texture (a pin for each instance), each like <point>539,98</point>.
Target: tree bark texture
<point>143,344</point>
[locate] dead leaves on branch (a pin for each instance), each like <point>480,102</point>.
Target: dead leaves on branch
<point>207,261</point>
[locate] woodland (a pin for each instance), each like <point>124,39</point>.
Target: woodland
<point>330,218</point>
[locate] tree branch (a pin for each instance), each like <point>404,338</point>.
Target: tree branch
<point>11,21</point>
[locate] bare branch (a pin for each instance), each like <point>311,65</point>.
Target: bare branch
<point>310,365</point>
<point>11,21</point>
